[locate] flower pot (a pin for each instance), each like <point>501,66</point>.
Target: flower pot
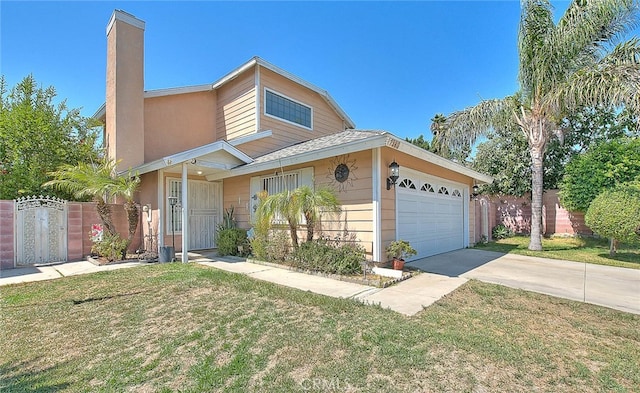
<point>398,264</point>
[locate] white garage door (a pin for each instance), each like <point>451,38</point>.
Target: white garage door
<point>430,214</point>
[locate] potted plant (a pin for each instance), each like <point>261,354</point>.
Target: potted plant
<point>399,250</point>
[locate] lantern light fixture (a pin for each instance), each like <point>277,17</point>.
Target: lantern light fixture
<point>394,174</point>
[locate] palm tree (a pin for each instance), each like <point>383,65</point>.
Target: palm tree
<point>563,67</point>
<point>315,202</point>
<point>88,180</point>
<point>100,183</point>
<point>126,186</point>
<point>293,205</point>
<point>282,206</point>
<point>437,129</point>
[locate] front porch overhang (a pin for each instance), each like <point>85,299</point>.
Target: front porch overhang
<point>207,160</point>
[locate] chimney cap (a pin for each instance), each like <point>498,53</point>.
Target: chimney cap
<point>126,18</point>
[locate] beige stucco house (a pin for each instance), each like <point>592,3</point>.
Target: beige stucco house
<point>215,146</point>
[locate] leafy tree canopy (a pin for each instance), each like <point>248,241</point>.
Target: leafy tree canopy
<point>505,155</point>
<point>603,167</point>
<point>37,136</point>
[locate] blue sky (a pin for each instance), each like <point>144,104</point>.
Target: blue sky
<point>389,65</point>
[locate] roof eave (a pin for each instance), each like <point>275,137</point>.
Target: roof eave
<point>327,152</point>
<point>188,155</point>
<point>410,148</point>
<point>352,147</point>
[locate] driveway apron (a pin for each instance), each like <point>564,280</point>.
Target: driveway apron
<point>608,286</point>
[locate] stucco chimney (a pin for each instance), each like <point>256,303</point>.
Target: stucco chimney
<point>124,133</point>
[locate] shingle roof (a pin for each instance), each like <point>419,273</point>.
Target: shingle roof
<point>324,142</point>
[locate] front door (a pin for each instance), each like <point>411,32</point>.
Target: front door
<point>204,214</point>
<point>204,204</point>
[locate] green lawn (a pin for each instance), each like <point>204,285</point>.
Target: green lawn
<point>188,328</point>
<point>588,250</point>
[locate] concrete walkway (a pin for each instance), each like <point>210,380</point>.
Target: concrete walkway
<point>407,297</point>
<point>614,287</point>
<point>50,272</point>
<point>617,288</point>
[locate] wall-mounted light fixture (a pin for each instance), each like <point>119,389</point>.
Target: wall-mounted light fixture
<point>475,190</point>
<point>394,174</point>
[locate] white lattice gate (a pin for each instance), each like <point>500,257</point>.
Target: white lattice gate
<point>41,230</point>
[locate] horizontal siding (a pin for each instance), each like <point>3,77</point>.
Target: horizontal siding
<point>356,201</point>
<point>325,120</point>
<point>236,107</point>
<point>236,195</point>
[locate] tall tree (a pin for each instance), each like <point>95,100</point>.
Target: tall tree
<point>563,67</point>
<point>37,136</point>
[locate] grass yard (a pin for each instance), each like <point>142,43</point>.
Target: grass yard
<point>578,249</point>
<point>188,328</point>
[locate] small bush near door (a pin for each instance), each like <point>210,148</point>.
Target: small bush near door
<point>229,239</point>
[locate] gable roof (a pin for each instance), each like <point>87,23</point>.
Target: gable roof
<point>216,157</point>
<point>345,142</point>
<point>255,61</point>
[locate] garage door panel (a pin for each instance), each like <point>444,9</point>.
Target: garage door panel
<point>432,223</point>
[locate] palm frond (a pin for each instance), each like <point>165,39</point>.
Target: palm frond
<point>536,23</point>
<point>465,126</point>
<point>584,34</point>
<point>614,81</point>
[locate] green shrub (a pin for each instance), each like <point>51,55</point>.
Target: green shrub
<point>278,246</point>
<point>501,232</point>
<point>348,259</point>
<point>228,240</point>
<point>112,247</point>
<point>228,219</point>
<point>259,247</point>
<point>312,255</point>
<point>329,256</point>
<point>615,214</point>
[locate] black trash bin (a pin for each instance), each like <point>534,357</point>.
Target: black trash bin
<point>167,254</point>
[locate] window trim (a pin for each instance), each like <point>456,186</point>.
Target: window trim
<point>266,89</point>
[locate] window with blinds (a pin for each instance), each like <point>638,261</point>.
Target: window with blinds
<point>278,183</point>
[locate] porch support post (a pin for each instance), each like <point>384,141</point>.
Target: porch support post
<point>185,214</point>
<point>161,206</point>
<point>377,212</point>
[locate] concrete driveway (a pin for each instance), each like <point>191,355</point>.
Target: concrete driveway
<point>613,287</point>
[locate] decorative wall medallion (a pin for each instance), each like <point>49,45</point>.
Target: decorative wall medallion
<point>341,172</point>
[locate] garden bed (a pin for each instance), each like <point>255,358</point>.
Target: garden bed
<point>374,280</point>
